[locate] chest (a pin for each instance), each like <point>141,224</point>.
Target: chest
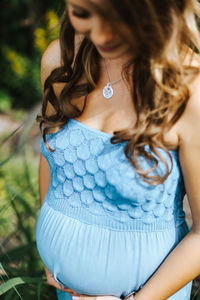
<point>114,114</point>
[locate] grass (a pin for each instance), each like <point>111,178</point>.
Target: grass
<point>21,270</point>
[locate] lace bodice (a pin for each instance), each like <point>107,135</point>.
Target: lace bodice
<point>90,174</point>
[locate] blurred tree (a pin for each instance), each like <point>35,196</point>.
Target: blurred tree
<point>26,28</point>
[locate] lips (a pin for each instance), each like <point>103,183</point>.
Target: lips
<point>107,49</point>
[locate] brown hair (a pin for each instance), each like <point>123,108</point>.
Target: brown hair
<point>163,31</point>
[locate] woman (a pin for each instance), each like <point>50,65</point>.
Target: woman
<point>121,118</point>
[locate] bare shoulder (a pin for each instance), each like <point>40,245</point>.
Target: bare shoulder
<point>185,125</point>
<point>189,123</point>
<point>51,59</point>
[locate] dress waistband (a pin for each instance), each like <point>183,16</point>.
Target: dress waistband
<point>111,222</point>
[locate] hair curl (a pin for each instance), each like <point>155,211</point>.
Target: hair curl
<point>165,32</point>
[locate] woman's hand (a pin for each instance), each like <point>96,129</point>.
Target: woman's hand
<point>51,281</point>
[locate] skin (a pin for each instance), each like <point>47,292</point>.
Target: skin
<point>183,263</point>
<point>101,33</point>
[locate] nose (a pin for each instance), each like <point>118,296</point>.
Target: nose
<point>101,32</point>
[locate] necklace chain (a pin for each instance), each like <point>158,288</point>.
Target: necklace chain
<point>108,75</point>
<point>108,90</point>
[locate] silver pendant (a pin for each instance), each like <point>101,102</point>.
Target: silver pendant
<point>108,91</point>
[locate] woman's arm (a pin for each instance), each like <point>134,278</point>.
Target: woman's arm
<point>44,177</point>
<point>49,61</point>
<point>183,263</point>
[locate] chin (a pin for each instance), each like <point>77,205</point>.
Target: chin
<point>112,55</point>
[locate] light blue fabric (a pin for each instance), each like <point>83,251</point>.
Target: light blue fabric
<point>101,230</point>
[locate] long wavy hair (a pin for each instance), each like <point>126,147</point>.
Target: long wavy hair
<point>166,31</point>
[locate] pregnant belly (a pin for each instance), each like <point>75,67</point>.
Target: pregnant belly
<point>98,261</point>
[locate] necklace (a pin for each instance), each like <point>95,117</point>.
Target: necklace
<point>108,90</point>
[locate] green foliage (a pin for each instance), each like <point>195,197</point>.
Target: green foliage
<point>196,295</point>
<point>5,101</point>
<point>22,274</point>
<point>21,81</point>
<point>27,27</point>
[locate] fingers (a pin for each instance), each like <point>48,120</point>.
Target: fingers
<point>54,284</point>
<point>67,290</point>
<point>75,296</point>
<point>51,281</point>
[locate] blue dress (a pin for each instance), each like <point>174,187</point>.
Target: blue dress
<point>101,230</point>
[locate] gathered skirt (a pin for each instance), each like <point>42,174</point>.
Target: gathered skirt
<point>97,260</point>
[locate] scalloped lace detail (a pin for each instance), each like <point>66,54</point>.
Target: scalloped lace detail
<point>90,172</point>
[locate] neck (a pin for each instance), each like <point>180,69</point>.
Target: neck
<point>116,61</point>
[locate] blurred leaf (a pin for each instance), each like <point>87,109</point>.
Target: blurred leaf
<point>23,201</point>
<point>3,209</point>
<point>27,27</point>
<point>17,281</point>
<point>12,154</point>
<point>12,133</point>
<point>9,296</point>
<point>5,267</point>
<point>16,253</point>
<point>196,295</point>
<point>3,221</point>
<point>39,286</point>
<point>5,101</point>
